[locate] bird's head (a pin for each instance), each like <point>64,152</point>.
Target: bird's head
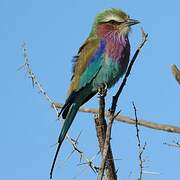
<point>112,20</point>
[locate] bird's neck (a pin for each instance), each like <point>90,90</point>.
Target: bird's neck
<point>109,32</point>
<point>116,42</point>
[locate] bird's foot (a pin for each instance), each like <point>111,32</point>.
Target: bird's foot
<point>102,89</point>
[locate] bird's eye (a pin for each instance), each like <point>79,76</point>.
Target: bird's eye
<point>114,22</point>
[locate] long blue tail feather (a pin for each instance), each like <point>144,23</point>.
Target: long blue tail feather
<point>67,123</point>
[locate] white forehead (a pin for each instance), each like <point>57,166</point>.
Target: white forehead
<point>112,17</point>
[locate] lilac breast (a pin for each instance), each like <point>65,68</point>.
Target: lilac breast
<point>118,49</point>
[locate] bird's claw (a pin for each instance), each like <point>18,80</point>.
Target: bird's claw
<point>102,89</point>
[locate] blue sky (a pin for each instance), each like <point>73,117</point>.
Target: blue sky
<point>53,31</point>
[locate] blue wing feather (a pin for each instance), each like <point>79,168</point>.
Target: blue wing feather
<point>93,66</point>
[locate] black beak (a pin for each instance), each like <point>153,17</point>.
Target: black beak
<point>132,22</point>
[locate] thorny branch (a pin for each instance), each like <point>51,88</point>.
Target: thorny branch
<point>141,151</point>
<point>40,88</point>
<point>137,128</point>
<point>89,164</point>
<point>128,120</point>
<point>140,148</point>
<point>173,144</point>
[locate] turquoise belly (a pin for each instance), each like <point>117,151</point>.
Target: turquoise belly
<point>109,74</point>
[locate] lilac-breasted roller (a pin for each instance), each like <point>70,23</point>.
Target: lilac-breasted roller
<point>101,60</point>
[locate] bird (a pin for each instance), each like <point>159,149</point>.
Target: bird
<point>101,60</point>
<point>175,72</point>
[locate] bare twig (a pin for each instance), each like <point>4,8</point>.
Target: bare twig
<point>140,148</point>
<point>34,79</point>
<point>151,172</point>
<point>89,164</point>
<point>137,128</point>
<point>75,143</point>
<point>173,144</point>
<point>175,72</point>
<point>116,97</point>
<point>128,120</point>
<point>43,92</point>
<point>141,164</point>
